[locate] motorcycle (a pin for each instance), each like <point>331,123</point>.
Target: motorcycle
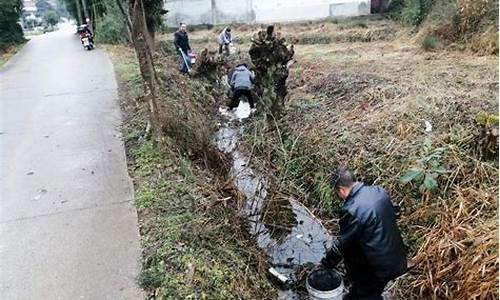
<point>86,41</point>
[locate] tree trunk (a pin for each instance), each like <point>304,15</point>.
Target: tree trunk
<point>128,22</point>
<point>87,15</point>
<point>79,12</point>
<point>144,54</point>
<point>214,12</point>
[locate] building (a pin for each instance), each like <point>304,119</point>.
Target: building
<point>260,11</point>
<point>29,7</point>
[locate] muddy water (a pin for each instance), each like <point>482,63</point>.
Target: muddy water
<point>286,231</point>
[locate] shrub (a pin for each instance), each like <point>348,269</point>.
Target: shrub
<point>111,29</point>
<point>11,32</point>
<point>430,43</point>
<point>415,11</point>
<point>51,17</point>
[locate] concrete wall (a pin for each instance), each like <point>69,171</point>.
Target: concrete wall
<point>260,11</point>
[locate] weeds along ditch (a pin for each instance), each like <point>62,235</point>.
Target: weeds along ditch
<point>444,174</point>
<point>424,126</point>
<point>194,242</point>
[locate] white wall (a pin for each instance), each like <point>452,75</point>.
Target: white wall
<point>261,11</point>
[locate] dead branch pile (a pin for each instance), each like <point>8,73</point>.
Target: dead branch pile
<point>185,108</point>
<point>271,55</point>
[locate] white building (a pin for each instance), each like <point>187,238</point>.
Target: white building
<point>29,6</point>
<point>260,11</point>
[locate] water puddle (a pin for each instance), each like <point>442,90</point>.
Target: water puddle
<point>284,229</point>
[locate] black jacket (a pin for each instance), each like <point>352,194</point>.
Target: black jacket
<point>181,40</point>
<point>369,238</point>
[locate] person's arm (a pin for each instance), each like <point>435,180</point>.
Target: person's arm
<point>349,232</point>
<point>233,79</point>
<point>252,76</point>
<point>187,41</point>
<point>350,228</point>
<point>176,41</point>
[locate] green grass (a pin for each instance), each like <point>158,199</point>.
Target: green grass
<point>192,249</point>
<point>194,244</point>
<point>127,69</point>
<point>430,43</point>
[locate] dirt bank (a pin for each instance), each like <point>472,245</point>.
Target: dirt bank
<point>194,241</point>
<point>423,124</point>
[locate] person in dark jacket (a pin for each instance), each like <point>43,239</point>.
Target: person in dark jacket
<point>84,30</point>
<point>241,84</point>
<point>181,43</point>
<point>369,239</point>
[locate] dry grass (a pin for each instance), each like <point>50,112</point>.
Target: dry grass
<point>459,256</point>
<point>364,104</point>
<point>195,245</point>
<point>8,53</point>
<point>360,95</point>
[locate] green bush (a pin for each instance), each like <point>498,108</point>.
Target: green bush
<point>411,12</point>
<point>110,29</point>
<point>11,33</point>
<point>430,43</point>
<point>51,17</point>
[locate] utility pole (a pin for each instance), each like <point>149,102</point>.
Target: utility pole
<point>214,12</point>
<point>79,12</point>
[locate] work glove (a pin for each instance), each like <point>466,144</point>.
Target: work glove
<point>333,256</point>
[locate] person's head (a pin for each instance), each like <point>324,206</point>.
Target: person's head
<point>242,63</point>
<point>183,27</point>
<point>342,182</point>
<point>228,30</point>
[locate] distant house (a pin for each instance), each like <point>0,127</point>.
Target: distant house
<point>261,11</point>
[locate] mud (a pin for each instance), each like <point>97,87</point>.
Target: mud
<point>324,280</point>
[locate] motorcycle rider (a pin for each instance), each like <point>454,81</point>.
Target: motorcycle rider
<point>224,40</point>
<point>181,43</point>
<point>369,238</point>
<point>85,32</point>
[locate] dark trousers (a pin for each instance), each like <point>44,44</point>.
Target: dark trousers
<point>367,289</point>
<point>237,95</point>
<point>223,48</point>
<point>184,58</point>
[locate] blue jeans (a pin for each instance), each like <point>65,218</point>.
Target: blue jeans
<point>184,59</point>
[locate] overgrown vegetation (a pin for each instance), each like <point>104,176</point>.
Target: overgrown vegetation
<point>11,33</point>
<point>417,132</point>
<point>194,241</point>
<point>430,43</point>
<point>472,23</point>
<point>421,124</point>
<point>424,126</point>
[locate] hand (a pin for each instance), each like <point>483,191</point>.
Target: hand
<point>333,257</point>
<point>324,262</point>
<point>180,50</point>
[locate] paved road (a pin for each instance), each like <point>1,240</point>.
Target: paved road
<point>68,225</point>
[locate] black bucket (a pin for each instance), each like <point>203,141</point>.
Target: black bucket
<point>324,284</point>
